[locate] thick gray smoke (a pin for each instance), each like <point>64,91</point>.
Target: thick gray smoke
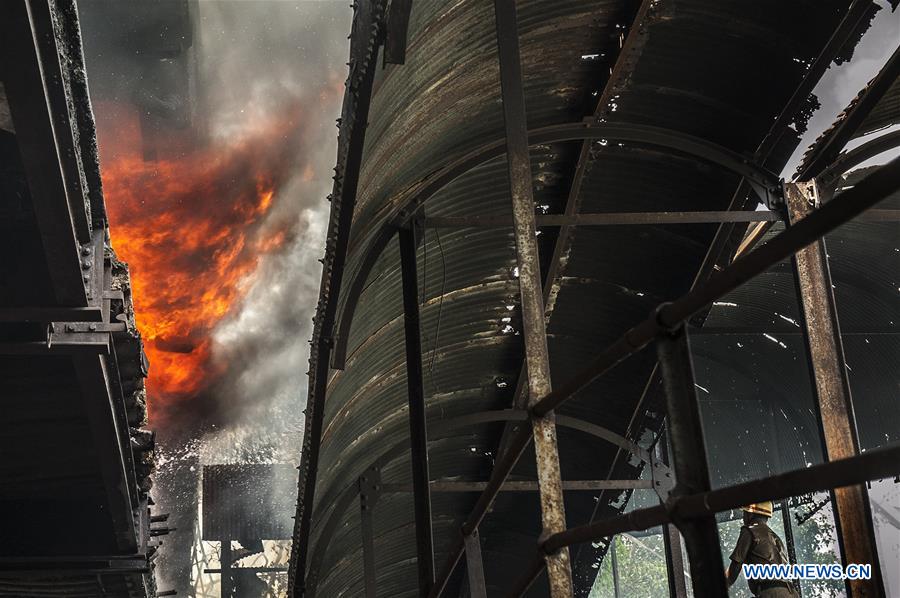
<point>255,62</point>
<point>257,59</point>
<point>260,58</point>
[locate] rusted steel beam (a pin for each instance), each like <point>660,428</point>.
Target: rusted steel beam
<point>853,517</point>
<point>537,358</point>
<point>685,427</point>
<point>475,566</point>
<point>610,219</point>
<point>629,51</point>
<point>418,432</point>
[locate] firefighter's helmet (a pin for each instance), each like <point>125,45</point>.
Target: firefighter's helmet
<point>759,508</point>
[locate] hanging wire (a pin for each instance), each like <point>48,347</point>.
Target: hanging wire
<point>437,330</point>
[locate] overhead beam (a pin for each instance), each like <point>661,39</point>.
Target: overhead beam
<point>851,203</point>
<point>829,177</point>
<point>637,219</point>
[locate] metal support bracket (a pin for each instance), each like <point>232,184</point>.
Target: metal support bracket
<point>772,197</point>
<point>661,475</point>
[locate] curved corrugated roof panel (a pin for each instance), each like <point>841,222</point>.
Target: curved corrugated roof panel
<point>694,67</point>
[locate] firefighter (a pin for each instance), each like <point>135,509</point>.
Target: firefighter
<point>758,544</point>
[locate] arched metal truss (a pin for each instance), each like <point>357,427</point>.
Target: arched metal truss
<point>661,476</point>
<point>852,158</point>
<point>766,184</point>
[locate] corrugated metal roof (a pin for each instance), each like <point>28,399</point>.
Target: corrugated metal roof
<point>879,102</point>
<point>885,114</point>
<point>707,70</point>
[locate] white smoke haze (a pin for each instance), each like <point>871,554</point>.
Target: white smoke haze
<point>265,343</point>
<point>256,61</point>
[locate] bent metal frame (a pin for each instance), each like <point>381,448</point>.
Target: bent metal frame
<point>690,504</point>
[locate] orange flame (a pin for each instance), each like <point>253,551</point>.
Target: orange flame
<point>192,229</point>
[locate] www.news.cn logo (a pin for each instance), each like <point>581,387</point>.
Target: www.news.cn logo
<point>807,571</point>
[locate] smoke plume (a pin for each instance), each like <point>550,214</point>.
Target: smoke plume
<point>223,230</point>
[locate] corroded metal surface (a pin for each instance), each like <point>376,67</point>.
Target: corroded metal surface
<point>856,531</point>
<point>537,358</point>
<point>427,118</point>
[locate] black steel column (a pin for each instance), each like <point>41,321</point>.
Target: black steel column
<point>789,539</point>
<point>537,359</point>
<point>674,561</point>
<point>226,586</point>
<point>775,451</point>
<point>701,535</point>
<point>853,517</point>
<point>417,425</point>
<point>614,565</point>
<point>671,537</point>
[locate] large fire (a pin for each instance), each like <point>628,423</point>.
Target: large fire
<point>192,226</point>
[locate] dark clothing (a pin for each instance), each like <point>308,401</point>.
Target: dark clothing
<point>758,544</point>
